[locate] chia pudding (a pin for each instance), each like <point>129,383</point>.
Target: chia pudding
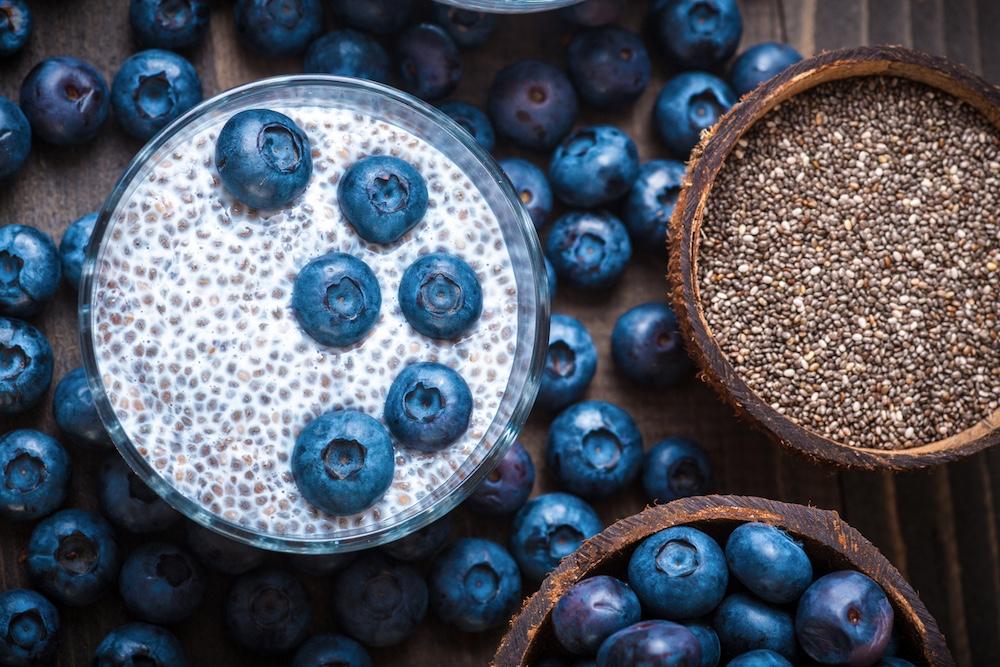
<point>201,357</point>
<point>849,262</point>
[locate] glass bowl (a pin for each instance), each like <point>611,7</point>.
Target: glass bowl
<point>511,6</point>
<point>148,412</point>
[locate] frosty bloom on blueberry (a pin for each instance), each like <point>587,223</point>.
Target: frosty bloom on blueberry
<point>263,158</point>
<point>25,366</point>
<point>30,270</point>
<point>688,104</point>
<point>34,475</point>
<point>343,461</point>
<point>29,628</point>
<point>65,100</point>
<point>168,24</point>
<point>382,197</point>
<point>594,166</point>
<point>428,406</point>
<point>336,299</point>
<point>590,249</point>
<point>440,296</point>
<point>134,642</point>
<point>547,529</point>
<point>570,363</point>
<point>73,247</point>
<point>75,413</point>
<point>348,52</point>
<point>151,89</point>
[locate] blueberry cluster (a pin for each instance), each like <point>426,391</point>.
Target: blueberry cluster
<point>757,602</point>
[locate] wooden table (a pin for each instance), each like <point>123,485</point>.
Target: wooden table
<point>940,527</point>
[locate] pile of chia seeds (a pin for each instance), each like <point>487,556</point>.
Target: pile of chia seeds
<point>849,264</point>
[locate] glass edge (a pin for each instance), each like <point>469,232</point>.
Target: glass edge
<point>464,488</point>
<point>512,6</point>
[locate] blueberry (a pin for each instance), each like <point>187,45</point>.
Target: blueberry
<point>570,363</point>
<point>282,28</point>
<point>650,203</point>
<point>759,658</point>
<point>378,601</point>
<point>350,53</point>
<point>336,299</point>
<point>422,543</point>
<point>679,573</point>
<point>532,188</point>
<point>16,26</point>
<point>697,34</point>
<point>589,249</point>
<point>474,585</point>
<point>711,651</point>
<point>428,406</point>
<point>321,565</point>
<point>430,65</point>
<point>29,628</point>
<point>593,610</point>
<point>473,120</point>
<point>609,66</point>
<point>594,449</point>
<point>73,556</point>
<point>136,644</point>
<point>168,24</point>
<point>688,104</point>
<point>221,553</point>
<point>440,296</point>
<point>382,197</point>
<point>550,277</point>
<point>594,166</point>
<point>653,643</point>
<point>675,468</point>
<point>647,347</point>
<point>759,63</point>
<point>151,89</point>
<point>161,583</point>
<point>15,138</point>
<point>533,104</point>
<point>548,528</point>
<point>263,158</point>
<point>35,470</point>
<point>469,29</point>
<point>129,503</point>
<point>331,650</point>
<point>507,487</point>
<point>25,366</point>
<point>844,618</point>
<point>65,100</point>
<point>268,611</point>
<point>343,461</point>
<point>75,414</point>
<point>745,623</point>
<point>73,248</point>
<point>30,270</point>
<point>376,16</point>
<point>593,13</point>
<point>769,562</point>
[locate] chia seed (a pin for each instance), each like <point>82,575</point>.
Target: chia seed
<point>848,262</point>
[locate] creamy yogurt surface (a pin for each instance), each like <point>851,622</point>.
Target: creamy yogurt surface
<point>204,363</point>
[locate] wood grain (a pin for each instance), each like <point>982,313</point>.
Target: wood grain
<point>59,185</point>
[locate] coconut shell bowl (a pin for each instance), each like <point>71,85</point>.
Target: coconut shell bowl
<point>830,543</point>
<point>685,232</point>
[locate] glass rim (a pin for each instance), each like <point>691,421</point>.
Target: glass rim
<point>523,401</point>
<point>511,6</point>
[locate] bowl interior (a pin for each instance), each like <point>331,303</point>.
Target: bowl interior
<point>519,237</point>
<point>710,157</point>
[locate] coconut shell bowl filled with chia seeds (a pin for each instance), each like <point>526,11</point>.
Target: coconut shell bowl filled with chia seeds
<point>835,259</point>
<point>708,527</point>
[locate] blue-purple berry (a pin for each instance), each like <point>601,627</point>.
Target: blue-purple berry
<point>697,34</point>
<point>473,120</point>
<point>168,24</point>
<point>430,65</point>
<point>29,628</point>
<point>533,104</point>
<point>428,406</point>
<point>66,100</point>
<point>25,366</point>
<point>654,642</point>
<point>161,583</point>
<point>282,28</point>
<point>468,28</point>
<point>128,503</point>
<point>647,347</point>
<point>647,208</point>
<point>136,644</point>
<point>151,89</point>
<point>594,449</point>
<point>378,601</point>
<point>593,610</point>
<point>16,27</point>
<point>75,413</point>
<point>507,487</point>
<point>570,363</point>
<point>531,186</point>
<point>609,66</point>
<point>30,270</point>
<point>474,585</point>
<point>350,53</point>
<point>382,197</point>
<point>549,528</point>
<point>73,248</point>
<point>675,468</point>
<point>588,249</point>
<point>422,543</point>
<point>759,63</point>
<point>330,650</point>
<point>769,562</point>
<point>594,166</point>
<point>746,623</point>
<point>34,475</point>
<point>268,611</point>
<point>688,104</point>
<point>15,138</point>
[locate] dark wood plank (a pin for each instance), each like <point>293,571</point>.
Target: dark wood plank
<point>961,32</point>
<point>988,18</point>
<point>889,22</point>
<point>839,24</point>
<point>927,25</point>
